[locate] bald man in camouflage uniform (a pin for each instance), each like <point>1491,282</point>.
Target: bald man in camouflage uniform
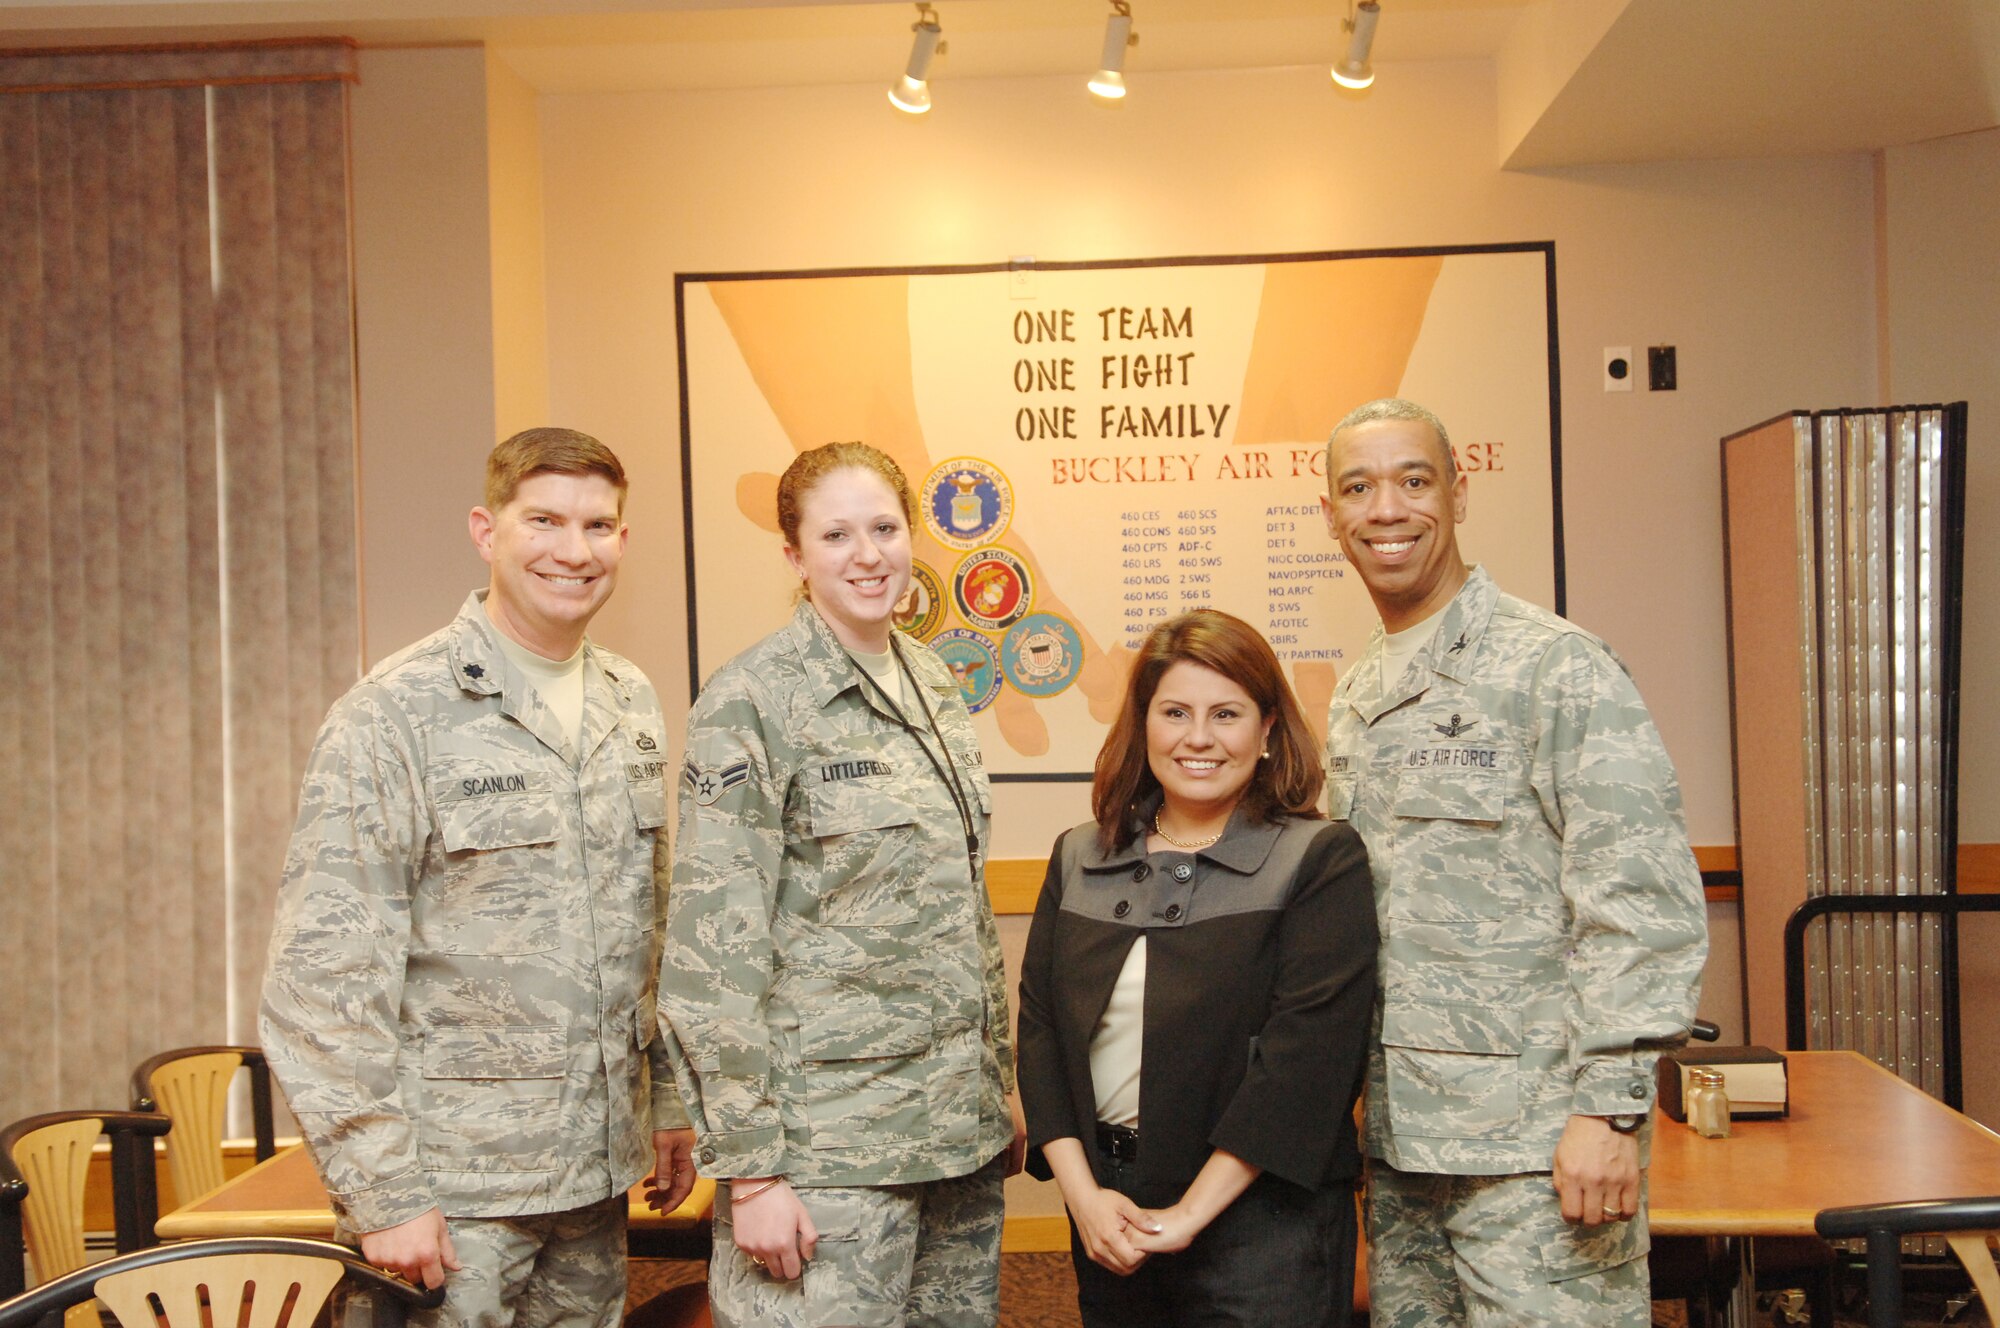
<point>833,992</point>
<point>460,1002</point>
<point>1542,922</point>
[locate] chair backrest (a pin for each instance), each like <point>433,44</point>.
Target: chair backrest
<point>241,1290</point>
<point>190,1086</point>
<point>1966,1224</point>
<point>55,1161</point>
<point>244,1281</point>
<point>44,1163</point>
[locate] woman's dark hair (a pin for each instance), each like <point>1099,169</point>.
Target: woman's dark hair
<point>1286,783</point>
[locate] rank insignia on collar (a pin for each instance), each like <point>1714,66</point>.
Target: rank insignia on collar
<point>709,783</point>
<point>474,671</point>
<point>1457,645</point>
<point>1456,727</point>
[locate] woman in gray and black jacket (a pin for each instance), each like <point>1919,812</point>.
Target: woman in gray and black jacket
<point>1195,1003</point>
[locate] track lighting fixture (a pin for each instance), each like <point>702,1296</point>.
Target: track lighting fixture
<point>1354,71</point>
<point>1108,83</point>
<point>912,92</point>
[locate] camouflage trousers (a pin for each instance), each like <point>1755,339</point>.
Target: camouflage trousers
<point>889,1256</point>
<point>1494,1252</point>
<point>544,1270</point>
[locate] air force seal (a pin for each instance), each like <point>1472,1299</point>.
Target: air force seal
<point>1041,655</point>
<point>967,502</point>
<point>970,658</point>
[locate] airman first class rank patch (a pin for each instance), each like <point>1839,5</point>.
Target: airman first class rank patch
<point>708,785</point>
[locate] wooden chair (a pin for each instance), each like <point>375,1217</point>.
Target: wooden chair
<point>190,1086</point>
<point>271,1282</point>
<point>1967,1225</point>
<point>43,1163</point>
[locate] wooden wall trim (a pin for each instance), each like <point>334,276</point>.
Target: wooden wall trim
<point>1979,869</point>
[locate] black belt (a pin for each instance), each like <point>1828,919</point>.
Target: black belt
<point>1119,1142</point>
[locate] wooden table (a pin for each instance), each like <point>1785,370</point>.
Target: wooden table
<point>283,1197</point>
<point>1857,1135</point>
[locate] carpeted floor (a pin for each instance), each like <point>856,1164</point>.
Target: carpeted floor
<point>1039,1291</point>
<point>1036,1290</point>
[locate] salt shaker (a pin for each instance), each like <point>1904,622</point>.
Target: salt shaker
<point>1707,1103</point>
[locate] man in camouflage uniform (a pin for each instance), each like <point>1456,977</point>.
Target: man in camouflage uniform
<point>833,992</point>
<point>1542,919</point>
<point>460,1001</point>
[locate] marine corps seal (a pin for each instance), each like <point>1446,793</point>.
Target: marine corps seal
<point>991,589</point>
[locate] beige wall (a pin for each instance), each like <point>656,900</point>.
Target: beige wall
<point>424,322</point>
<point>520,303</point>
<point>1761,273</point>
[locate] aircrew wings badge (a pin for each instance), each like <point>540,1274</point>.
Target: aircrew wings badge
<point>707,784</point>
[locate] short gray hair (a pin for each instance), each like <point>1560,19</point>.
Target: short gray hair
<point>1392,408</point>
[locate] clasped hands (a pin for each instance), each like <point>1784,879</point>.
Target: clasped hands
<point>1119,1235</point>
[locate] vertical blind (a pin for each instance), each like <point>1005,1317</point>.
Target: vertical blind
<point>177,412</point>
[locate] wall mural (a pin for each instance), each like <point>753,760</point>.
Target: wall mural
<point>1097,446</point>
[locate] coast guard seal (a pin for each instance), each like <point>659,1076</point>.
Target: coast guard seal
<point>1041,655</point>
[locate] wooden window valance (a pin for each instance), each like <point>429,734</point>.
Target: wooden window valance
<point>184,65</point>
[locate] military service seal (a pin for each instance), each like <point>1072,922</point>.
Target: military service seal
<point>991,589</point>
<point>971,660</point>
<point>920,612</point>
<point>1041,655</point>
<point>967,502</point>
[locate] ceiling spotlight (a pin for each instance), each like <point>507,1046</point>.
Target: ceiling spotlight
<point>1108,83</point>
<point>912,92</point>
<point>1354,71</point>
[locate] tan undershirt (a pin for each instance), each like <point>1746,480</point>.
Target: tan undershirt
<point>1399,648</point>
<point>888,675</point>
<point>559,682</point>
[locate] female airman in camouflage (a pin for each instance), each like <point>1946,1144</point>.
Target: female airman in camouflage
<point>832,984</point>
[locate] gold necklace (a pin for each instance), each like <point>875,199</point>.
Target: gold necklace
<point>1161,831</point>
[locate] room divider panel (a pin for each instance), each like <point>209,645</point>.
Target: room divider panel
<point>1843,537</point>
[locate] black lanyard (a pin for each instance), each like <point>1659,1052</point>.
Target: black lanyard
<point>947,771</point>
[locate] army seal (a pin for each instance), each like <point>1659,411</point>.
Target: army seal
<point>971,660</point>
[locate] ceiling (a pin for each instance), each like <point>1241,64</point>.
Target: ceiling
<point>1579,80</point>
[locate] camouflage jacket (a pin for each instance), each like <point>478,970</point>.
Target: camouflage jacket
<point>832,991</point>
<point>1541,915</point>
<point>460,999</point>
